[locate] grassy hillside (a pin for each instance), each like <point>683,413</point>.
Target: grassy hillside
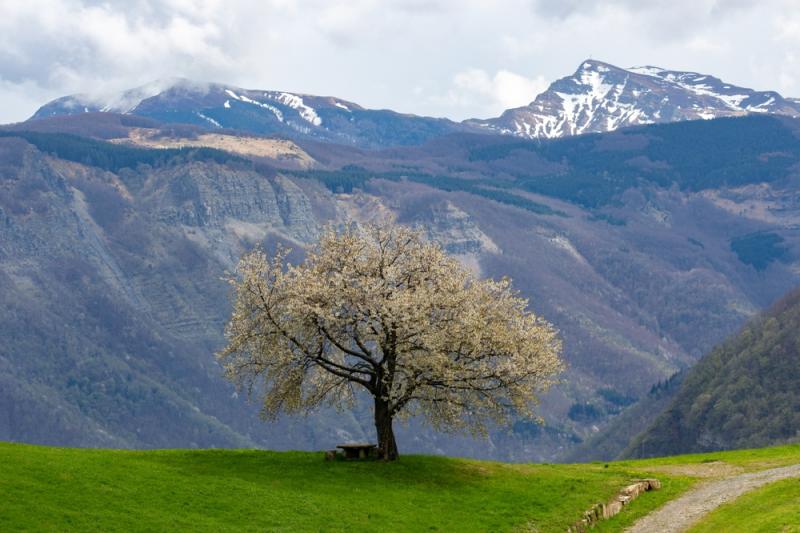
<point>213,490</point>
<point>68,489</point>
<point>744,393</point>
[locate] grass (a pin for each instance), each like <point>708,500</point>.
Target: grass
<point>64,489</point>
<point>61,489</point>
<point>775,507</point>
<point>748,459</point>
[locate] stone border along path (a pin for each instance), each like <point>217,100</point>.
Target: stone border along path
<point>604,511</point>
<point>681,513</point>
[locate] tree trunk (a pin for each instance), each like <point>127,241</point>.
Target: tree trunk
<point>387,447</point>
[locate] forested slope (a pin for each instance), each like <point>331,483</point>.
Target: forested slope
<point>745,393</point>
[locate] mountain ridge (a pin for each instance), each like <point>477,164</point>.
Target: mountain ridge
<point>597,97</point>
<point>217,106</point>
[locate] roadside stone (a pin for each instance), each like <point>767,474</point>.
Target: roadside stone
<point>604,511</point>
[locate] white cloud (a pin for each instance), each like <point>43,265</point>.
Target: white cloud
<point>694,11</point>
<point>22,96</point>
<point>703,44</point>
<point>495,93</point>
<point>454,58</point>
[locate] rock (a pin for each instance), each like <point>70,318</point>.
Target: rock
<point>654,484</point>
<point>604,511</point>
<point>636,489</point>
<point>611,508</point>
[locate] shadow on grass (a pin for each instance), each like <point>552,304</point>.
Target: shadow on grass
<point>304,469</point>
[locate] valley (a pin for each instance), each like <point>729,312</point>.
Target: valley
<point>638,271</point>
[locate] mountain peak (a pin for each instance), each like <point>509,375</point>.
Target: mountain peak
<point>646,70</point>
<point>601,97</point>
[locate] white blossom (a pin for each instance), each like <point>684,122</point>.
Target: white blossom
<point>379,307</point>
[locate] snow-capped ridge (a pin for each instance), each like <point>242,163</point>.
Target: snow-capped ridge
<point>208,96</point>
<point>262,112</point>
<point>112,101</point>
<point>597,97</point>
<point>602,97</point>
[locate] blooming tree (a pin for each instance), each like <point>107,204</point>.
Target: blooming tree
<point>382,309</point>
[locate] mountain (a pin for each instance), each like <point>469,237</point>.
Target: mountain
<point>645,246</point>
<point>600,97</point>
<point>744,394</point>
<point>216,106</point>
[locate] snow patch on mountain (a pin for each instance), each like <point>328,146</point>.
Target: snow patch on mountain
<point>243,98</point>
<point>646,71</point>
<point>294,101</point>
<point>209,119</point>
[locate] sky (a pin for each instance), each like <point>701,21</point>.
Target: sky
<point>451,58</point>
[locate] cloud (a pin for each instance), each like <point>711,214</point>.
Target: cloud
<point>456,58</point>
<point>502,91</point>
<point>79,45</point>
<point>696,8</point>
<point>24,96</point>
<point>663,20</point>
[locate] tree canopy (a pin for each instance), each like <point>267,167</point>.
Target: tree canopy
<point>378,307</point>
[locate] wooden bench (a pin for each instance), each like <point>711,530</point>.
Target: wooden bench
<point>357,451</point>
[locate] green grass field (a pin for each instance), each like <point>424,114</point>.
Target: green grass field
<point>43,488</point>
<point>748,459</point>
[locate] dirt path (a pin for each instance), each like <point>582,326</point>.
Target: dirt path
<point>679,514</point>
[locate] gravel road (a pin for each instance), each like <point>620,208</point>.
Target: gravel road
<point>679,514</point>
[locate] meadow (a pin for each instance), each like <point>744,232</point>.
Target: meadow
<point>68,489</point>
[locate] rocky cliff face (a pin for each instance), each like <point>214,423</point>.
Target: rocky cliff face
<point>116,304</point>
